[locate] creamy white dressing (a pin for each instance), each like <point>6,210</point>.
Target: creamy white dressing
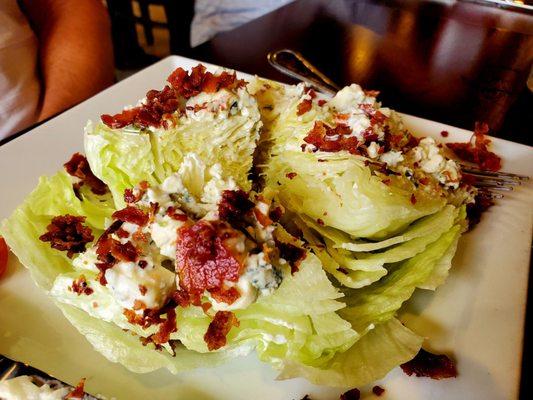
<point>86,260</point>
<point>125,280</point>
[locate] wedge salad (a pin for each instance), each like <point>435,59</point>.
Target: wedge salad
<point>219,217</point>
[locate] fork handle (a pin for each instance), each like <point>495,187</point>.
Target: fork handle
<point>295,65</point>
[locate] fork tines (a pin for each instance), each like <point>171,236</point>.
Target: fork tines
<point>499,174</point>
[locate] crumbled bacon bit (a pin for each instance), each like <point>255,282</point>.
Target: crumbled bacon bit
<point>291,175</point>
<point>477,208</point>
<point>444,133</point>
<point>132,214</point>
<point>263,219</point>
<point>79,286</point>
<point>189,85</point>
<point>67,233</point>
<point>121,233</point>
<point>133,196</point>
<point>102,268</point>
<point>329,139</point>
<point>110,247</point>
<point>206,306</point>
<point>158,105</point>
<point>176,214</point>
<point>378,390</point>
<point>275,214</point>
<point>181,298</point>
<point>435,366</point>
<point>142,264</point>
<point>139,305</point>
<point>78,166</point>
<point>294,255</point>
<point>386,181</point>
<point>476,150</point>
<point>413,199</point>
<point>320,222</point>
<point>225,295</point>
<point>109,251</point>
<point>218,329</point>
<point>205,260</point>
<point>352,394</point>
<point>142,289</point>
<point>322,102</point>
<point>233,206</point>
<point>304,106</point>
<point>311,92</point>
<point>78,392</point>
<point>424,180</point>
<point>166,327</point>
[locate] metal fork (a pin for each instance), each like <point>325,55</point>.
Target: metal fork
<point>295,65</point>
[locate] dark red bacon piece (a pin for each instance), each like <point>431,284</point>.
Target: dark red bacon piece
<point>67,233</point>
<point>218,329</point>
<point>294,255</point>
<point>204,259</point>
<point>166,327</point>
<point>291,175</point>
<point>79,286</point>
<point>78,392</point>
<point>329,139</point>
<point>476,150</point>
<point>132,214</point>
<point>78,166</point>
<point>304,106</point>
<point>434,366</point>
<point>352,394</point>
<point>174,214</point>
<point>117,251</point>
<point>378,390</point>
<point>475,210</point>
<point>233,206</point>
<point>275,214</point>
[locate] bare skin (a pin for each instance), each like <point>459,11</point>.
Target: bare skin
<point>75,50</point>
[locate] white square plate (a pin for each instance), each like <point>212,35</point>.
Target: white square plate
<point>478,315</point>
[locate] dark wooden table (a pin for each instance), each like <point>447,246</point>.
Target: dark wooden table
<point>455,64</point>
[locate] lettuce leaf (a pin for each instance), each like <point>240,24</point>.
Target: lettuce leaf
<point>53,196</point>
<point>343,194</point>
<point>370,358</point>
<point>126,349</point>
<point>379,302</point>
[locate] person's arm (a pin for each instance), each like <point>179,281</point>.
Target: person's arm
<point>75,50</point>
